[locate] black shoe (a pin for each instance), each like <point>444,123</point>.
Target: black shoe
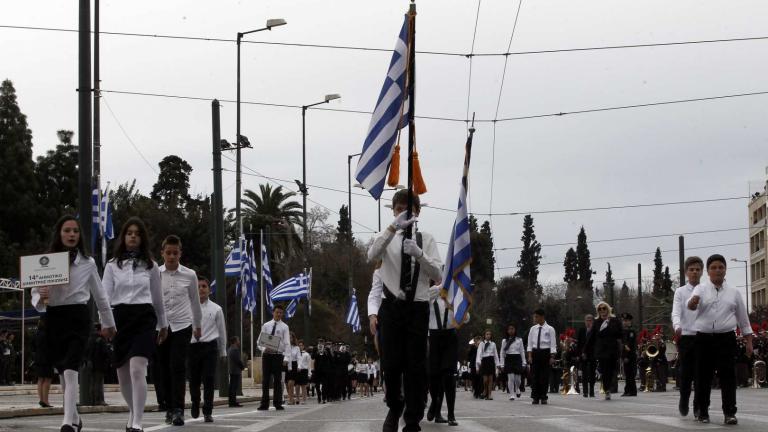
<point>279,407</point>
<point>431,414</point>
<point>452,422</point>
<point>731,420</point>
<point>704,419</point>
<point>535,402</point>
<point>260,408</point>
<point>178,418</point>
<point>208,418</point>
<point>544,402</point>
<point>168,417</point>
<point>439,419</point>
<point>683,408</point>
<point>134,430</point>
<point>235,405</point>
<point>195,410</point>
<point>44,405</point>
<point>392,420</point>
<point>67,428</point>
<point>695,413</point>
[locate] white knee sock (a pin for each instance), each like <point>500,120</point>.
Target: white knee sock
<point>138,369</point>
<point>71,388</point>
<point>515,383</point>
<point>126,388</point>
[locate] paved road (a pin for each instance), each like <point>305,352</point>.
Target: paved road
<point>647,412</point>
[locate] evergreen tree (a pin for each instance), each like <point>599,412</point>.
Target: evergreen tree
<point>584,265</point>
<point>344,227</point>
<point>57,175</point>
<point>666,284</point>
<point>530,257</point>
<point>624,299</point>
<point>172,187</point>
<point>658,274</point>
<point>487,251</point>
<point>483,261</point>
<point>610,283</point>
<point>571,266</point>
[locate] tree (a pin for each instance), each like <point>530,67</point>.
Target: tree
<point>609,285</point>
<point>571,266</point>
<point>658,274</point>
<point>57,175</point>
<point>344,227</point>
<point>666,283</point>
<point>172,187</point>
<point>485,254</point>
<point>624,298</point>
<point>584,266</point>
<point>530,257</point>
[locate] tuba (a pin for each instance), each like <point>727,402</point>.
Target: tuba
<point>758,374</point>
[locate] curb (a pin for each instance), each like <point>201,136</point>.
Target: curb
<point>98,409</point>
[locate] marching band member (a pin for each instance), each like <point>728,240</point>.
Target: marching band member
<point>512,359</point>
<point>720,311</point>
<point>629,355</point>
<point>68,321</point>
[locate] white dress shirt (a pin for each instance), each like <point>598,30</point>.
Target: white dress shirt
<point>180,297</point>
<point>387,247</point>
<point>213,326</point>
<point>487,349</point>
<point>447,321</point>
<point>720,310</point>
<point>280,330</point>
<point>375,295</point>
<point>304,360</point>
<point>295,353</point>
<point>682,317</point>
<point>548,338</point>
<point>516,347</point>
<point>84,283</point>
<point>135,286</point>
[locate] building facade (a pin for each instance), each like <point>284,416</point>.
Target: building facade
<point>758,244</point>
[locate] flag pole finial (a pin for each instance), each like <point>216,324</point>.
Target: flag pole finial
<point>472,125</point>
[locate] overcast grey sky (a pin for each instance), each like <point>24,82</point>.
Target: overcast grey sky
<point>690,151</point>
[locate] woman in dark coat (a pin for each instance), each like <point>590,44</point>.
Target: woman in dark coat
<point>605,342</point>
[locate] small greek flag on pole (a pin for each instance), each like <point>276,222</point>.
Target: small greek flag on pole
<point>390,109</point>
<point>266,273</point>
<point>353,316</point>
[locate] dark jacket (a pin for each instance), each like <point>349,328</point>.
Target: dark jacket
<point>605,344</point>
<point>236,365</point>
<point>581,342</point>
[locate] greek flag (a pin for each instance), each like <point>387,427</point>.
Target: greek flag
<point>266,273</point>
<point>290,310</point>
<point>96,220</point>
<point>292,288</point>
<point>232,264</point>
<point>245,269</point>
<point>353,316</point>
<point>213,286</point>
<point>250,283</point>
<point>391,108</point>
<point>102,227</point>
<point>457,280</point>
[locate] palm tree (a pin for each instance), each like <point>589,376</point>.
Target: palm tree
<point>273,210</point>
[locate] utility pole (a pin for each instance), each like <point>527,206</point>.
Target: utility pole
<point>218,239</point>
<point>640,296</point>
<point>681,248</point>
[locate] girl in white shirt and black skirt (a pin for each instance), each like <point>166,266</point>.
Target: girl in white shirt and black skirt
<point>512,359</point>
<point>487,361</point>
<point>132,282</point>
<point>67,316</point>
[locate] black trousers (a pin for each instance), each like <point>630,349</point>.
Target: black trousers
<point>630,373</point>
<point>171,370</point>
<point>540,370</point>
<point>716,352</point>
<point>686,368</point>
<point>404,327</point>
<point>443,355</point>
<point>272,369</point>
<point>477,382</point>
<point>588,377</point>
<point>607,372</point>
<point>202,369</point>
<point>234,380</point>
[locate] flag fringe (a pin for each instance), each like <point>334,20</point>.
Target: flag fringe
<point>394,170</point>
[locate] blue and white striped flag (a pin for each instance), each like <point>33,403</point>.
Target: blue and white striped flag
<point>290,310</point>
<point>391,109</point>
<point>250,283</point>
<point>101,223</point>
<point>291,288</point>
<point>245,268</point>
<point>457,280</point>
<point>353,316</point>
<point>96,218</point>
<point>232,264</point>
<point>266,273</point>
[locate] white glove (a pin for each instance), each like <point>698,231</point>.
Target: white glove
<point>411,248</point>
<point>402,221</point>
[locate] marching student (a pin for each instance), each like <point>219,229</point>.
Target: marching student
<point>322,372</point>
<point>604,341</point>
<point>302,379</point>
<point>464,375</point>
<point>182,309</point>
<point>443,356</point>
<point>205,352</point>
<point>293,370</point>
<point>542,349</point>
<point>487,361</point>
<point>721,310</point>
<point>512,358</point>
<point>404,312</point>
<point>67,318</point>
<point>134,288</point>
<point>474,372</point>
<point>629,355</point>
<point>683,322</point>
<point>236,367</point>
<point>273,360</point>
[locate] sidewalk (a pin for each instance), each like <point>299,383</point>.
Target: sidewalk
<point>22,401</point>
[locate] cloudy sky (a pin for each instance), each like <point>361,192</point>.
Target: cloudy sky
<point>669,153</point>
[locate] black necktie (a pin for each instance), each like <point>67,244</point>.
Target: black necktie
<point>274,327</point>
<point>538,340</point>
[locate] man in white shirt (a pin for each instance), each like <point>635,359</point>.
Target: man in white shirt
<point>542,348</point>
<point>272,360</point>
<point>721,311</point>
<point>204,352</point>
<point>404,312</point>
<point>182,306</point>
<point>683,322</point>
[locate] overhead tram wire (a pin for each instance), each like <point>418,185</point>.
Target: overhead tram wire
<point>127,137</point>
<point>471,55</point>
<point>385,50</point>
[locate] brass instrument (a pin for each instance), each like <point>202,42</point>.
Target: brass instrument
<point>652,350</point>
<point>758,374</point>
<point>574,378</point>
<point>566,380</point>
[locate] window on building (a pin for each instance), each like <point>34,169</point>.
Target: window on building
<point>758,214</point>
<point>758,270</point>
<point>757,242</point>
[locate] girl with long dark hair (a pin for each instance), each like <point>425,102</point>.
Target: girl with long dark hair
<point>67,317</point>
<point>512,359</point>
<point>487,361</point>
<point>132,283</point>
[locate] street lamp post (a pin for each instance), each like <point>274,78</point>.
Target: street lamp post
<point>349,213</point>
<point>746,280</point>
<point>396,188</point>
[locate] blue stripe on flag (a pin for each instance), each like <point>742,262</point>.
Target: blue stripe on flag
<point>353,316</point>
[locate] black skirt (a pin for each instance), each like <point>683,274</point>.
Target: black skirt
<point>292,374</point>
<point>68,329</point>
<point>487,366</point>
<point>513,363</point>
<point>303,377</point>
<point>136,334</point>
